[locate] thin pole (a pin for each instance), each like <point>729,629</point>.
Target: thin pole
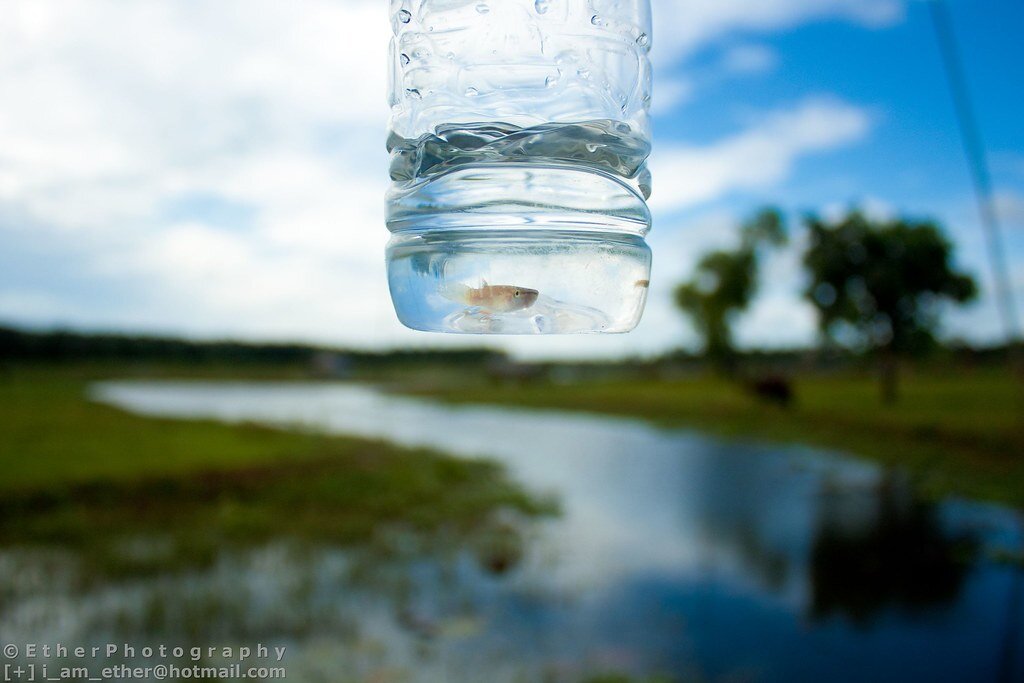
<point>978,162</point>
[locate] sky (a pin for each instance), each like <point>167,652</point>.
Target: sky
<point>217,169</point>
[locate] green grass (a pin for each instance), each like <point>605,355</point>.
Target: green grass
<point>955,431</point>
<point>79,474</point>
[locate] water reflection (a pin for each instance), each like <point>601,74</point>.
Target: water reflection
<point>886,550</point>
<point>675,554</point>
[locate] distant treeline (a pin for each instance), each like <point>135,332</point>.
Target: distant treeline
<point>68,346</point>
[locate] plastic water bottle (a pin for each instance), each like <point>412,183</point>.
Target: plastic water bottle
<point>519,137</point>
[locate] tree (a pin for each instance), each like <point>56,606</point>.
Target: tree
<point>882,284</point>
<point>725,282</point>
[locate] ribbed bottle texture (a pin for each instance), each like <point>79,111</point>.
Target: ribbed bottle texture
<point>519,138</point>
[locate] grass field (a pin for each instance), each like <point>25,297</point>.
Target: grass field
<point>955,431</point>
<point>74,471</point>
<point>78,474</point>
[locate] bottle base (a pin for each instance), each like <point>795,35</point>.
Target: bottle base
<point>519,282</point>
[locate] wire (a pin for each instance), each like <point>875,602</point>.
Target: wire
<point>978,162</point>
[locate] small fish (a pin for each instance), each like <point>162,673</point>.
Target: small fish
<point>493,298</point>
<point>642,283</point>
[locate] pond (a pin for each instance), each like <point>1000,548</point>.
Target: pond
<point>675,554</point>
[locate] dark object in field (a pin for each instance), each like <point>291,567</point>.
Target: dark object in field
<point>772,389</point>
<point>499,546</point>
<point>505,371</point>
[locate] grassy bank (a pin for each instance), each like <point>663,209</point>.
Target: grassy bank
<point>956,432</point>
<point>79,474</point>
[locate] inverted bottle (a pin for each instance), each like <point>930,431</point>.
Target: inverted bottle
<point>519,140</point>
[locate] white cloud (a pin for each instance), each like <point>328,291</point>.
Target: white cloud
<point>670,93</point>
<point>758,157</point>
<point>779,316</point>
<point>33,306</point>
<point>1010,208</point>
<point>736,61</point>
<point>114,111</point>
<point>749,59</point>
<point>128,99</point>
<point>875,208</point>
<point>684,26</point>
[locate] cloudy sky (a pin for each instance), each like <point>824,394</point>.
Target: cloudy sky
<point>217,168</point>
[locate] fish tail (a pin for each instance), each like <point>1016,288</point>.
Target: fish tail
<point>455,291</point>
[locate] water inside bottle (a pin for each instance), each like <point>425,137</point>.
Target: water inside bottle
<point>505,229</point>
<point>612,146</point>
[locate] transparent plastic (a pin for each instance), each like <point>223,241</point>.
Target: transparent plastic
<point>519,139</point>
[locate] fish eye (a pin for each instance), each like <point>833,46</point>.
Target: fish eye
<point>517,293</point>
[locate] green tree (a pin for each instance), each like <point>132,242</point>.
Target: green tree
<point>724,284</point>
<point>882,284</point>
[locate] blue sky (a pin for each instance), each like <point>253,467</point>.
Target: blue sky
<point>909,162</point>
<point>217,169</point>
<point>913,154</point>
